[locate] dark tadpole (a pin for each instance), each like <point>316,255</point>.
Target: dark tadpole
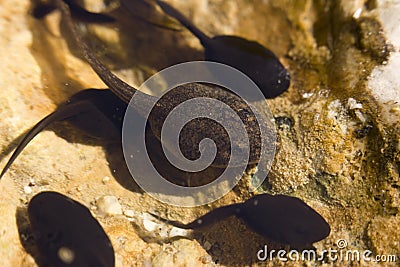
<point>67,234</point>
<point>250,57</point>
<point>283,219</point>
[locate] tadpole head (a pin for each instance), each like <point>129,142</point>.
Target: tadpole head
<point>275,82</point>
<point>66,233</point>
<point>253,59</point>
<point>284,219</point>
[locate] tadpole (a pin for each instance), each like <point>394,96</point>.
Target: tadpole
<point>280,218</point>
<point>250,57</point>
<point>67,234</point>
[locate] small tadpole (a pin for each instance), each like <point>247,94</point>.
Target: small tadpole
<point>67,234</point>
<point>283,219</point>
<point>250,57</point>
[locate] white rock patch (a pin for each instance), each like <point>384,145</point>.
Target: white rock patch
<point>108,205</point>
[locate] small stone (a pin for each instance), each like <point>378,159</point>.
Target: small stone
<point>106,179</point>
<point>360,116</point>
<point>149,225</point>
<point>353,104</point>
<point>207,245</point>
<point>109,205</point>
<point>307,95</point>
<point>357,13</point>
<point>129,213</point>
<point>27,189</point>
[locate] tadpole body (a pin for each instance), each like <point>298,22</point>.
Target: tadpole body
<point>250,57</point>
<point>67,234</point>
<point>283,219</point>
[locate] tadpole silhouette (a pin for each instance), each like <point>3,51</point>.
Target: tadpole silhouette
<point>250,57</point>
<point>67,234</point>
<point>280,218</point>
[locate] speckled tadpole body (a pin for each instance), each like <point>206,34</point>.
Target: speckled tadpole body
<point>67,234</point>
<point>283,219</point>
<point>250,57</point>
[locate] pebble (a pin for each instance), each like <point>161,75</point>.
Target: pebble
<point>108,205</point>
<point>149,225</point>
<point>207,245</point>
<point>353,104</point>
<point>27,189</point>
<point>129,213</point>
<point>106,179</point>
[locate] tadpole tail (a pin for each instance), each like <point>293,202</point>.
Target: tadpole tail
<point>207,219</point>
<point>61,113</point>
<point>140,10</point>
<point>169,10</point>
<point>123,90</point>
